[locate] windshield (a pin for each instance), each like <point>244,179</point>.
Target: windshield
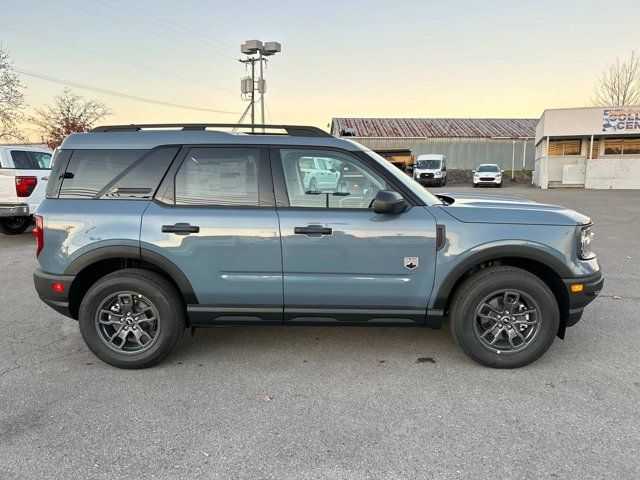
<point>427,197</point>
<point>430,164</point>
<point>488,168</point>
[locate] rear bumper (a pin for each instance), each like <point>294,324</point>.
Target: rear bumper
<point>14,210</point>
<point>59,301</point>
<point>591,287</point>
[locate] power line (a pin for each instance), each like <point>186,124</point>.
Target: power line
<point>135,27</point>
<point>182,30</point>
<point>144,67</point>
<point>119,94</point>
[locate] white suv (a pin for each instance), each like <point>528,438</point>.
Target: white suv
<point>319,173</point>
<point>24,172</point>
<point>488,174</point>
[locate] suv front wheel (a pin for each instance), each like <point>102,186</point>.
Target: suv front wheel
<point>132,318</point>
<point>504,317</point>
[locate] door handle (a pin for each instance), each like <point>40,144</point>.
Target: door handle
<point>313,230</point>
<point>180,229</point>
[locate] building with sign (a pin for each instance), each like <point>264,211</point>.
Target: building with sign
<point>588,147</point>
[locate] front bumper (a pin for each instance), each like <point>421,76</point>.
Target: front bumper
<point>14,210</point>
<point>59,301</point>
<point>591,287</point>
<point>492,181</point>
<point>429,180</point>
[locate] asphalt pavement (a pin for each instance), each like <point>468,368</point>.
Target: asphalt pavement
<point>320,402</point>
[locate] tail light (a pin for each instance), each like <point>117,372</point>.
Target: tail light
<point>25,185</point>
<point>38,233</point>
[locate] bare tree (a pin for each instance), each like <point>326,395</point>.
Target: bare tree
<point>619,83</point>
<point>11,100</point>
<point>69,113</point>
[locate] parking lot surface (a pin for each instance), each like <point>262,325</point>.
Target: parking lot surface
<point>319,402</point>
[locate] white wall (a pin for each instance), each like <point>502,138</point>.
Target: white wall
<point>612,172</point>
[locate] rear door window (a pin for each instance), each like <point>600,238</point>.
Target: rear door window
<point>219,177</point>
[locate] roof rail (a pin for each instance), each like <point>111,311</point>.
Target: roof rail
<point>292,130</point>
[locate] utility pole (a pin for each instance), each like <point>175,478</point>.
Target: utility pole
<point>513,160</point>
<point>251,48</point>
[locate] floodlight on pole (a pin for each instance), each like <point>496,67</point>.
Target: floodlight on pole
<point>257,52</point>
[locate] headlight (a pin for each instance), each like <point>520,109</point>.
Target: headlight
<point>476,174</point>
<point>498,175</point>
<point>584,243</point>
<point>437,174</point>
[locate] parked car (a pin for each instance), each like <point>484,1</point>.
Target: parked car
<point>24,172</point>
<point>488,174</point>
<point>146,231</point>
<point>319,173</point>
<point>431,169</point>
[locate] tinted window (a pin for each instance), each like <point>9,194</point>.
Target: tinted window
<point>20,159</point>
<point>350,184</point>
<point>141,179</point>
<point>218,176</point>
<point>58,166</point>
<point>89,171</point>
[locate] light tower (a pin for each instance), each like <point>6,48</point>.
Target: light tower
<point>256,51</point>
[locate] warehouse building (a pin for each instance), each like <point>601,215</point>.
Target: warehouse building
<point>467,142</point>
<point>588,147</point>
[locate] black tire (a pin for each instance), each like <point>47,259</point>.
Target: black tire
<point>164,297</point>
<point>475,289</point>
<point>14,225</point>
<point>475,185</point>
<point>499,185</point>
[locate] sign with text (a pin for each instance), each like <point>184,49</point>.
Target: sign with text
<point>621,120</point>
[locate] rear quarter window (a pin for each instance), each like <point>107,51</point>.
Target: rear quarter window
<point>90,171</point>
<point>115,174</point>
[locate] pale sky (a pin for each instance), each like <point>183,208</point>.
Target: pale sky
<point>339,58</point>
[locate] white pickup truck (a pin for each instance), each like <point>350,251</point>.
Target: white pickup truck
<point>24,172</point>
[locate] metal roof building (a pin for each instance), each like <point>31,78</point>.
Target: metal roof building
<point>467,142</point>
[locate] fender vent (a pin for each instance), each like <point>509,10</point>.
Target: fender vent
<point>441,237</point>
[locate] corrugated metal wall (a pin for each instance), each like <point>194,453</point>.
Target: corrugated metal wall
<point>462,153</point>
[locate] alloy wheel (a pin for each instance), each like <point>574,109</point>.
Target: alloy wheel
<point>127,322</point>
<point>507,321</point>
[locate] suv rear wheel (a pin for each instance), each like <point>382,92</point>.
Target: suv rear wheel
<point>504,317</point>
<point>14,225</point>
<point>132,318</point>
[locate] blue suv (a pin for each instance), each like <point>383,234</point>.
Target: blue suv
<point>149,229</point>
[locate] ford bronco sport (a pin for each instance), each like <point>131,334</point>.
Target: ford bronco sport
<point>148,229</point>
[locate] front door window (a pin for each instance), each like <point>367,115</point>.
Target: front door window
<point>328,179</point>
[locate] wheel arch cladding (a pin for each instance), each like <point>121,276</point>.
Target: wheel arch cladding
<point>546,267</point>
<point>93,265</point>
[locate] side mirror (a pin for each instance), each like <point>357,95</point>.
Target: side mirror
<point>501,171</point>
<point>473,171</point>
<point>389,202</point>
